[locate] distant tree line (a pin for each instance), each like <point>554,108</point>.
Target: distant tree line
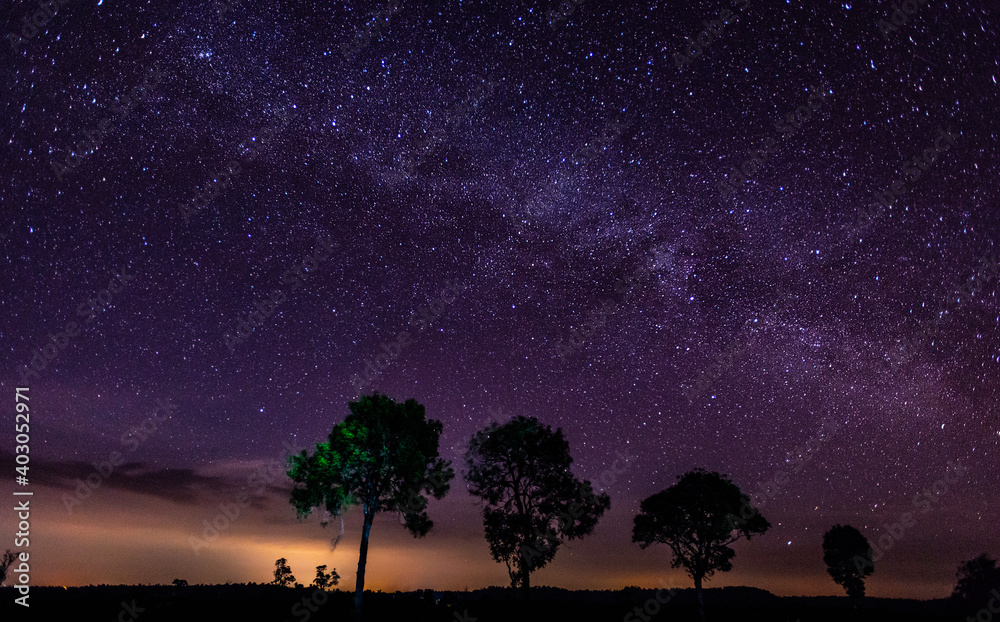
<point>384,457</point>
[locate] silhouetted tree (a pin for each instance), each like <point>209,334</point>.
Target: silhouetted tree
<point>848,559</point>
<point>282,573</point>
<point>532,501</point>
<point>8,558</point>
<point>695,518</point>
<point>180,583</point>
<point>976,578</point>
<point>325,580</point>
<point>383,457</point>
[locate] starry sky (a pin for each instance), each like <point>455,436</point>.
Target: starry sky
<point>754,237</point>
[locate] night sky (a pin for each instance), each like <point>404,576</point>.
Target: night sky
<point>251,213</point>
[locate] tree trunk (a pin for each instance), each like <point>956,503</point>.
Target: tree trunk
<point>526,584</point>
<point>359,587</point>
<point>525,580</point>
<point>701,598</point>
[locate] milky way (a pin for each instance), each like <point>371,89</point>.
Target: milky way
<point>752,237</point>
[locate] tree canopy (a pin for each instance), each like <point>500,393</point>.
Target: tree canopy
<point>848,558</point>
<point>383,457</point>
<point>532,502</point>
<point>325,580</point>
<point>976,578</point>
<point>283,573</point>
<point>696,518</point>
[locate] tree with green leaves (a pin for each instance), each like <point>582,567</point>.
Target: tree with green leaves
<point>848,559</point>
<point>383,457</point>
<point>283,574</point>
<point>325,580</point>
<point>532,502</point>
<point>696,518</point>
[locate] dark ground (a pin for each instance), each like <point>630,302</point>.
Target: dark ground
<point>217,603</point>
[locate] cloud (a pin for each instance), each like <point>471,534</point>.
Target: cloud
<point>179,485</point>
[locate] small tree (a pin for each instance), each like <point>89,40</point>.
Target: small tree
<point>848,559</point>
<point>283,574</point>
<point>532,501</point>
<point>976,578</point>
<point>180,583</point>
<point>383,457</point>
<point>698,518</point>
<point>325,580</point>
<point>8,558</point>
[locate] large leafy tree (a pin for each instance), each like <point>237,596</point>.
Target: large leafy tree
<point>383,457</point>
<point>695,518</point>
<point>532,502</point>
<point>976,579</point>
<point>848,559</point>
